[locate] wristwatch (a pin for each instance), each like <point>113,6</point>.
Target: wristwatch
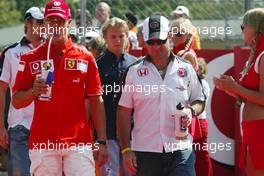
<point>193,111</point>
<point>101,142</point>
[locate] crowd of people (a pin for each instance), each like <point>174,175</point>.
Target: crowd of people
<point>130,101</point>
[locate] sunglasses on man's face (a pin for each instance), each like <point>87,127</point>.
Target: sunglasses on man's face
<point>40,22</point>
<point>178,34</point>
<point>157,42</point>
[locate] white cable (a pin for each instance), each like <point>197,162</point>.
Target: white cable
<point>48,53</point>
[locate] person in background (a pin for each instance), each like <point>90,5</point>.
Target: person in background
<point>203,164</point>
<point>59,140</point>
<point>250,90</point>
<point>183,12</point>
<point>90,30</point>
<point>96,46</point>
<point>112,65</point>
<point>141,43</point>
<point>19,121</point>
<point>102,13</point>
<point>132,20</point>
<point>182,40</point>
<point>88,15</point>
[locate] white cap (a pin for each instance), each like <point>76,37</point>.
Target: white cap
<point>92,34</point>
<point>157,27</point>
<point>34,12</point>
<point>181,10</point>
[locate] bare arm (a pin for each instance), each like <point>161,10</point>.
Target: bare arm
<point>98,116</point>
<point>256,97</point>
<point>198,106</point>
<point>227,83</point>
<point>22,98</point>
<point>123,132</point>
<point>123,125</point>
<point>99,120</point>
<point>191,58</point>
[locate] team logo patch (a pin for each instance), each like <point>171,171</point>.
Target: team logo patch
<point>76,64</point>
<point>21,66</point>
<point>182,72</point>
<point>143,72</point>
<point>70,64</point>
<point>47,65</point>
<point>35,67</point>
<point>154,25</point>
<point>57,3</point>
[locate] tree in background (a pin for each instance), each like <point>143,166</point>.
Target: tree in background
<point>12,11</point>
<point>8,14</point>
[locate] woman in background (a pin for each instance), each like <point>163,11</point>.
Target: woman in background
<point>250,90</point>
<point>182,40</point>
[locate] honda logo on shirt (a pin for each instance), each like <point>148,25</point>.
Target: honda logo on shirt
<point>143,72</point>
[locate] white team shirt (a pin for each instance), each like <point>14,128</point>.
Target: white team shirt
<point>154,126</point>
<point>21,116</point>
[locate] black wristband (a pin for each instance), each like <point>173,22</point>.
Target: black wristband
<point>101,142</point>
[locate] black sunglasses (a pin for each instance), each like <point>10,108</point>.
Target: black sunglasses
<point>242,27</point>
<point>157,42</point>
<point>40,22</point>
<point>177,34</point>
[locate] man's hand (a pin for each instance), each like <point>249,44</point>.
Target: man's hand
<point>39,87</point>
<point>101,155</point>
<point>187,113</point>
<point>130,162</point>
<point>3,138</point>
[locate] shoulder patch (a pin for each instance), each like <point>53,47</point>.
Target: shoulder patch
<point>21,66</point>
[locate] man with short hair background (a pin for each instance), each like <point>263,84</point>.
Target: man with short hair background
<point>19,121</point>
<point>102,13</point>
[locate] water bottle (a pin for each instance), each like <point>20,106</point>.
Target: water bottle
<point>181,132</point>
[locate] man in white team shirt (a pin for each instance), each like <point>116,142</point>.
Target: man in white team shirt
<point>19,121</point>
<point>153,88</point>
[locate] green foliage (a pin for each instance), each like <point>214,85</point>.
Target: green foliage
<point>23,5</point>
<point>199,9</point>
<point>8,15</point>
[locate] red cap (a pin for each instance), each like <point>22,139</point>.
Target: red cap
<point>57,8</point>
